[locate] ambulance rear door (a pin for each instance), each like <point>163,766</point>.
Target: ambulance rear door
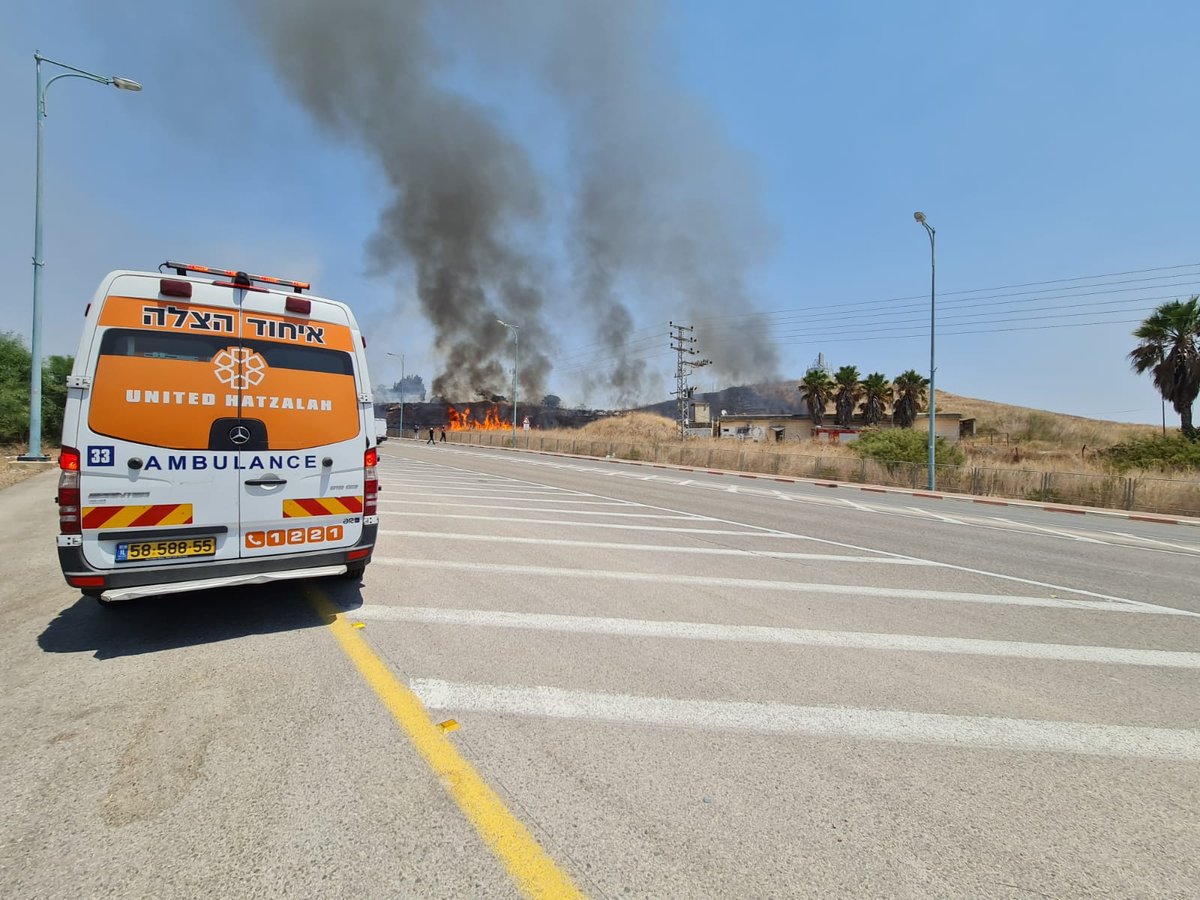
<point>301,482</point>
<point>152,493</point>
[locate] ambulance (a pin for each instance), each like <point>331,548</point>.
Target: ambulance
<point>218,432</point>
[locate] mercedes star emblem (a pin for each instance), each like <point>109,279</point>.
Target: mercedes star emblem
<point>239,434</point>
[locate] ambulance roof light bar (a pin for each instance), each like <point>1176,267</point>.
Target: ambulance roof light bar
<point>237,277</point>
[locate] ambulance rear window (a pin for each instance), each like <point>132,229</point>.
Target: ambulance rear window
<point>173,390</point>
<point>202,348</point>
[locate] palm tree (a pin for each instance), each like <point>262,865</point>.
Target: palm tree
<point>817,388</point>
<point>848,393</point>
<point>910,397</point>
<point>1170,351</point>
<point>877,394</point>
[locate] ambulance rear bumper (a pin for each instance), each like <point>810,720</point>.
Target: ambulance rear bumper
<point>148,581</point>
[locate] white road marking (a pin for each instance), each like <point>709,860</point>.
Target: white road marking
<point>618,525</point>
<point>660,548</point>
<point>438,495</point>
<point>794,587</point>
<point>570,512</point>
<point>761,634</point>
<point>934,515</point>
<point>976,732</point>
<point>430,484</point>
<point>1065,534</point>
<point>1137,537</point>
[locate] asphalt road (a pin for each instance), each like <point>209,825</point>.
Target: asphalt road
<point>679,684</point>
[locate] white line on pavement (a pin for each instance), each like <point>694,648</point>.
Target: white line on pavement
<point>934,515</point>
<point>1138,537</point>
<point>1066,534</point>
<point>761,634</point>
<point>568,512</point>
<point>559,499</point>
<point>660,548</point>
<point>797,587</point>
<point>976,732</point>
<point>618,525</point>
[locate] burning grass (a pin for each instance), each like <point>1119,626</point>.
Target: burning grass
<point>483,417</point>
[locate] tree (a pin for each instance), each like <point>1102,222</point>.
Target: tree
<point>817,388</point>
<point>1170,351</point>
<point>409,388</point>
<point>552,401</point>
<point>849,391</point>
<point>15,364</point>
<point>877,394</point>
<point>911,394</point>
<point>55,370</point>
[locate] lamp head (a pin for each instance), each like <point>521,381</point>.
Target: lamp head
<point>125,84</point>
<point>919,216</point>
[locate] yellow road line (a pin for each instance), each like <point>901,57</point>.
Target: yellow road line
<point>535,873</point>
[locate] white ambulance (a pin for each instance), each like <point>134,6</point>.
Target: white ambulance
<point>219,431</point>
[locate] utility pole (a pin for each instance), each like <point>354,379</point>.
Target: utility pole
<point>682,343</point>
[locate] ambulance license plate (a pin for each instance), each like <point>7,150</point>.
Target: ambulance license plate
<point>142,550</point>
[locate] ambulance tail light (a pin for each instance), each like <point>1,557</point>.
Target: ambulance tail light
<point>68,492</point>
<point>300,305</point>
<point>370,482</point>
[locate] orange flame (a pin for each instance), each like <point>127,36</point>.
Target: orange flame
<point>467,421</point>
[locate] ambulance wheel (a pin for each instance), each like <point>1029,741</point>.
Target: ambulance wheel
<point>354,572</point>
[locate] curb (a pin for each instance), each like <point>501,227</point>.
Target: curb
<point>882,489</point>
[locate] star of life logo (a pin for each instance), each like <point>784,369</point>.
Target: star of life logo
<point>239,367</point>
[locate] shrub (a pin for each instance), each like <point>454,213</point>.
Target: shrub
<point>903,445</point>
<point>1170,454</point>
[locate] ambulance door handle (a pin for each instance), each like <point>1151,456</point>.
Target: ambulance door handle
<point>267,482</point>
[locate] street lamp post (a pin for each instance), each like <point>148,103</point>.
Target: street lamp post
<point>401,355</point>
<point>34,452</point>
<point>516,330</point>
<point>920,217</point>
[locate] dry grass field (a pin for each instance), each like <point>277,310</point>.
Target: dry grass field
<point>1018,453</point>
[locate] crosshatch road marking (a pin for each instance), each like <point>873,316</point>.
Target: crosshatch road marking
<point>535,873</point>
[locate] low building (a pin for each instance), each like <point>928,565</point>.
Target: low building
<point>785,428</point>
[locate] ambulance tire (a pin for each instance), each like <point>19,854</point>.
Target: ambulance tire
<point>354,571</point>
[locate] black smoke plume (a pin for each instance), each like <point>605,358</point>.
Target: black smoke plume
<point>659,222</point>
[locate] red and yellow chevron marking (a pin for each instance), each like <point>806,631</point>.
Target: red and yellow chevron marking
<point>321,506</point>
<point>137,516</point>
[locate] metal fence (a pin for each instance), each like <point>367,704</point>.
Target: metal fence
<point>1130,492</point>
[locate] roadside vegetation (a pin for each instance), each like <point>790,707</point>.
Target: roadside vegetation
<point>15,367</point>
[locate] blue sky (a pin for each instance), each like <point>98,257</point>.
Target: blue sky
<point>1045,142</point>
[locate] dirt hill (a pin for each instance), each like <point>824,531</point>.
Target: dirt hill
<point>1034,429</point>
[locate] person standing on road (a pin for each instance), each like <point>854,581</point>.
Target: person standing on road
<point>416,432</point>
<point>430,441</point>
<point>442,439</point>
